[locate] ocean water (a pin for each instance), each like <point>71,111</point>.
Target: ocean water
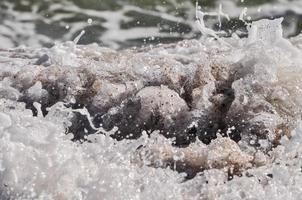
<point>214,116</point>
<point>119,24</point>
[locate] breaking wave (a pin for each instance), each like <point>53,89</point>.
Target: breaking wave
<point>215,118</point>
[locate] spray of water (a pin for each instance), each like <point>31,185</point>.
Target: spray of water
<point>77,39</point>
<point>200,22</point>
<point>39,161</point>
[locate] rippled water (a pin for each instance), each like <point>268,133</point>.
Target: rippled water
<point>119,24</point>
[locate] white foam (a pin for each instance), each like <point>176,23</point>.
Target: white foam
<point>38,161</point>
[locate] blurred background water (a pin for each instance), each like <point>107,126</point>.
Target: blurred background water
<point>125,23</point>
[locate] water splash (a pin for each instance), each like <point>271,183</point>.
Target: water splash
<point>77,39</point>
<point>266,85</point>
<point>243,14</point>
<point>200,22</point>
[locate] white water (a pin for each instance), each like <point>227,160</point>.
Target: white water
<point>38,161</point>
